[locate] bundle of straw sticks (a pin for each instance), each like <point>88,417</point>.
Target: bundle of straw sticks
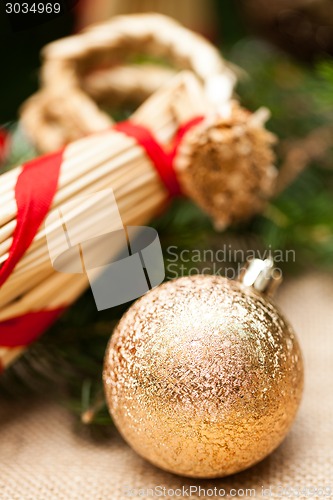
<point>222,158</point>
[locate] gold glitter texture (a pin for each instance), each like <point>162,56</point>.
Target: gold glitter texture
<point>203,376</point>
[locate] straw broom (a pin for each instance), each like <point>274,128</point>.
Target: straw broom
<point>223,163</point>
<point>90,165</point>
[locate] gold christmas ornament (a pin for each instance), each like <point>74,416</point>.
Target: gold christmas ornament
<point>203,375</point>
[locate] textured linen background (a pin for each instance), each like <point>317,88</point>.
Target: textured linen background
<point>43,458</point>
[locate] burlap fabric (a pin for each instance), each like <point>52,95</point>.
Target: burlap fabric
<point>43,458</point>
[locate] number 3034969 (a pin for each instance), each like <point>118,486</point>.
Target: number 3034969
<point>35,8</point>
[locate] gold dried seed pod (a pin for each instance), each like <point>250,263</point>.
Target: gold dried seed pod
<point>225,165</point>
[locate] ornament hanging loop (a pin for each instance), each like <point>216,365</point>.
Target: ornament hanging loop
<point>261,275</point>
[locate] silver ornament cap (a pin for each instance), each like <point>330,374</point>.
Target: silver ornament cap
<point>261,275</point>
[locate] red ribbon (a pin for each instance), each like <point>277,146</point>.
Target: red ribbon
<point>23,330</point>
<point>34,192</point>
<point>161,158</point>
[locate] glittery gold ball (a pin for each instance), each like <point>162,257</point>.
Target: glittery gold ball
<point>203,376</point>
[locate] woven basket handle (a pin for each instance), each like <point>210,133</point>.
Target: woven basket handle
<point>93,68</point>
